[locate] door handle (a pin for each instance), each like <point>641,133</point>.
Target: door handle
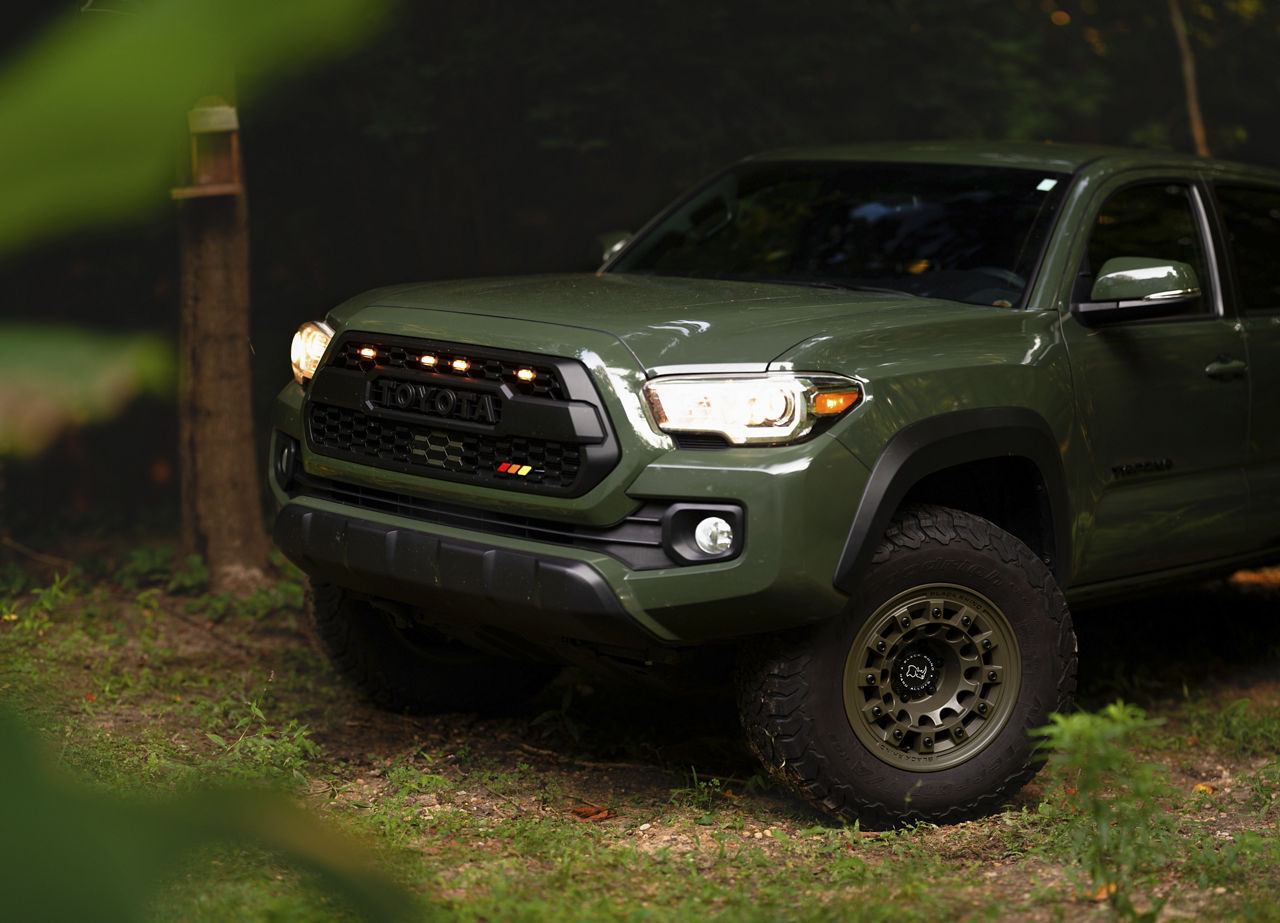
<point>1224,368</point>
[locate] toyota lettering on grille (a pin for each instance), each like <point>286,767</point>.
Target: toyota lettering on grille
<point>434,401</point>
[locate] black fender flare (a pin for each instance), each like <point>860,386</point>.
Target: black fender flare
<point>936,443</point>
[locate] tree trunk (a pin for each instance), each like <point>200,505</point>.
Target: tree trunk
<point>221,509</point>
<point>1189,79</point>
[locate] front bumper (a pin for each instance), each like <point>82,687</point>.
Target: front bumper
<point>796,503</point>
<point>500,588</point>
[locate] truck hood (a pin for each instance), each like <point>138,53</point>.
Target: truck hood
<point>669,324</point>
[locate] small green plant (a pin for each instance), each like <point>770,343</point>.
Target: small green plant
<point>701,795</point>
<point>408,779</point>
<point>145,567</point>
<point>1114,825</point>
<point>191,577</point>
<point>559,723</point>
<point>156,568</point>
<point>43,602</point>
<point>260,750</point>
<point>60,593</point>
<point>1264,786</point>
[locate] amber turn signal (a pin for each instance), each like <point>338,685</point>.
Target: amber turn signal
<point>835,402</point>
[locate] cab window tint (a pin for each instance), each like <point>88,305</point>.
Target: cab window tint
<point>1154,220</point>
<point>1252,219</point>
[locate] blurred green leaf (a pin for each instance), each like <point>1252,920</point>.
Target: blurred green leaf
<point>93,113</point>
<point>70,853</point>
<point>55,377</point>
<point>93,121</point>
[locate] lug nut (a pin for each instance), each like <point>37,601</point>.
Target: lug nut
<point>906,621</point>
<point>880,646</point>
<point>871,680</point>
<point>982,708</point>
<point>986,644</point>
<point>937,613</point>
<point>928,742</point>
<point>958,733</point>
<point>932,690</point>
<point>877,711</point>
<point>966,621</point>
<point>897,733</point>
<point>991,675</point>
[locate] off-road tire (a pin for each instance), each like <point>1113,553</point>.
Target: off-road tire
<point>961,619</point>
<point>410,669</point>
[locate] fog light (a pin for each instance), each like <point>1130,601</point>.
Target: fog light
<point>286,460</point>
<point>713,535</point>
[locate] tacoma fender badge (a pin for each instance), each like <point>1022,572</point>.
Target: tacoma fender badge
<point>1143,467</point>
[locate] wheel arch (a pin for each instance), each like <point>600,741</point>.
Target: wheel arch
<point>933,461</point>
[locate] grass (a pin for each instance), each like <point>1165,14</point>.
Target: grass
<point>145,690</point>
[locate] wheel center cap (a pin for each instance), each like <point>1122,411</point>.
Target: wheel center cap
<point>915,671</point>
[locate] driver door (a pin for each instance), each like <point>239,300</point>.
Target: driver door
<point>1162,404</point>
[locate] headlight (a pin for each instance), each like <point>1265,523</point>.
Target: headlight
<point>750,409</point>
<point>309,344</point>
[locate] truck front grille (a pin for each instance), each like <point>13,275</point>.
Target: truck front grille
<point>362,437</point>
<point>457,412</point>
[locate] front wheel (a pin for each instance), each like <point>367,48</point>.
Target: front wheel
<point>918,703</point>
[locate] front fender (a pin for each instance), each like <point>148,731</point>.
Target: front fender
<point>937,443</point>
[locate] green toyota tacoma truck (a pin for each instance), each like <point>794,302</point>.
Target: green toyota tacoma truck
<point>870,418</point>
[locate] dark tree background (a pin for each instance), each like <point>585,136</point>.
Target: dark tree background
<point>497,138</point>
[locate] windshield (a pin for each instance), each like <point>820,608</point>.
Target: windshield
<point>965,233</point>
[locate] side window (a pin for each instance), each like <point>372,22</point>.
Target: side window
<point>1153,220</point>
<point>1252,217</point>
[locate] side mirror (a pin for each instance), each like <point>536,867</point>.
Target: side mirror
<point>1135,287</point>
<point>612,242</point>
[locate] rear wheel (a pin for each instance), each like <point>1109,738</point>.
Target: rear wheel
<point>405,667</point>
<point>917,704</point>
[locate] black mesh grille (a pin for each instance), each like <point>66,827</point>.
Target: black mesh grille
<point>479,415</point>
<point>361,437</point>
<point>481,365</point>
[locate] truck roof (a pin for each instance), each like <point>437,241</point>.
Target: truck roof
<point>1047,156</point>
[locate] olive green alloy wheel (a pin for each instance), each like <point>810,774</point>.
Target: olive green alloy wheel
<point>932,677</point>
<point>918,701</point>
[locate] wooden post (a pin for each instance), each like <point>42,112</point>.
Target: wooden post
<point>221,506</point>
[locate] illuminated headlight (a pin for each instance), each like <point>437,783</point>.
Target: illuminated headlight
<point>750,410</point>
<point>309,344</point>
